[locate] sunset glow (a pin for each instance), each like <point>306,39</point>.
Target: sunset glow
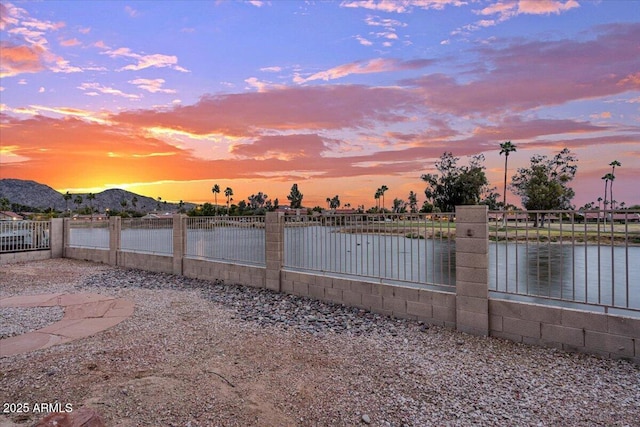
<point>166,99</point>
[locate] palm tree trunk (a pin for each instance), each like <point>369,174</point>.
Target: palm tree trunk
<point>504,192</point>
<point>606,181</point>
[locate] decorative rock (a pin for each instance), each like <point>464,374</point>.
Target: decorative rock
<point>83,417</point>
<point>366,419</point>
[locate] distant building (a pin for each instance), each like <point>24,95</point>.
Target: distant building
<point>158,215</point>
<point>10,216</point>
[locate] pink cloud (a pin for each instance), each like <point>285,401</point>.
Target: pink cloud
<point>16,60</point>
<point>284,147</point>
<point>507,9</point>
<point>297,108</point>
<point>144,61</point>
<point>532,74</point>
<point>378,65</point>
<point>401,6</point>
<point>516,128</point>
<point>70,42</point>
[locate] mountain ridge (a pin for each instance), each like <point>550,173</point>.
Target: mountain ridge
<point>37,195</point>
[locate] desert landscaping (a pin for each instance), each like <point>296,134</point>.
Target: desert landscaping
<point>196,353</point>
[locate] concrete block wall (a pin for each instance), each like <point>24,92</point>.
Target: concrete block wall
<point>88,254</point>
<point>15,257</point>
<point>232,273</point>
<point>429,306</point>
<point>566,329</point>
<point>142,261</point>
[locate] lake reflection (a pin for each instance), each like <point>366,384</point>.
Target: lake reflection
<point>581,273</point>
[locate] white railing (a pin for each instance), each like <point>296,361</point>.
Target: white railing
<point>152,235</point>
<point>231,239</point>
<point>584,257</point>
<point>408,248</point>
<point>19,236</point>
<point>84,233</point>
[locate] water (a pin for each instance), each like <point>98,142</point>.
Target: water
<point>391,257</point>
<point>89,237</point>
<point>581,273</point>
<point>237,244</point>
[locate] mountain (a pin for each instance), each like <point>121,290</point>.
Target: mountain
<point>36,195</point>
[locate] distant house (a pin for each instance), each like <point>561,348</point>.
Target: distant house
<point>10,216</point>
<point>288,211</point>
<point>164,215</point>
<point>94,217</point>
<point>617,216</point>
<point>339,211</point>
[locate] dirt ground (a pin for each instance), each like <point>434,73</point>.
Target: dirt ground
<point>184,360</point>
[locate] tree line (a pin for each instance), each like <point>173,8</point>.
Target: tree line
<point>543,185</point>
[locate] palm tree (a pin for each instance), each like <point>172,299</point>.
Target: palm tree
<point>334,202</point>
<point>78,201</point>
<point>506,148</point>
<point>613,171</point>
<point>328,202</point>
<point>90,198</point>
<point>607,177</point>
<point>228,192</point>
<point>383,189</point>
<point>377,197</point>
<point>215,190</point>
<point>66,197</point>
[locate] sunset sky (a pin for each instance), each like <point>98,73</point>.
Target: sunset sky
<point>168,98</point>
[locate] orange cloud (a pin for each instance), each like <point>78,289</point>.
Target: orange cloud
<point>297,108</point>
<point>16,60</point>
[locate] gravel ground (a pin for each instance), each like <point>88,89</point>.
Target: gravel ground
<point>197,353</point>
<point>17,321</point>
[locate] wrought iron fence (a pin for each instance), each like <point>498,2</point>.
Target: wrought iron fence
<point>85,233</point>
<point>147,235</point>
<point>232,239</point>
<point>408,248</point>
<point>588,257</point>
<point>20,236</point>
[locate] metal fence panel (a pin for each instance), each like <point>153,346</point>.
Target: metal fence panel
<point>584,257</point>
<point>409,248</point>
<point>88,234</point>
<point>147,235</point>
<point>231,239</point>
<point>20,236</point>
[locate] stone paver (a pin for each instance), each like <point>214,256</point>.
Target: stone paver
<point>85,314</point>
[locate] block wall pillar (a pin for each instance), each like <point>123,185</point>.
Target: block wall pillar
<point>56,237</point>
<point>274,249</point>
<point>472,270</point>
<point>115,228</point>
<point>179,241</point>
